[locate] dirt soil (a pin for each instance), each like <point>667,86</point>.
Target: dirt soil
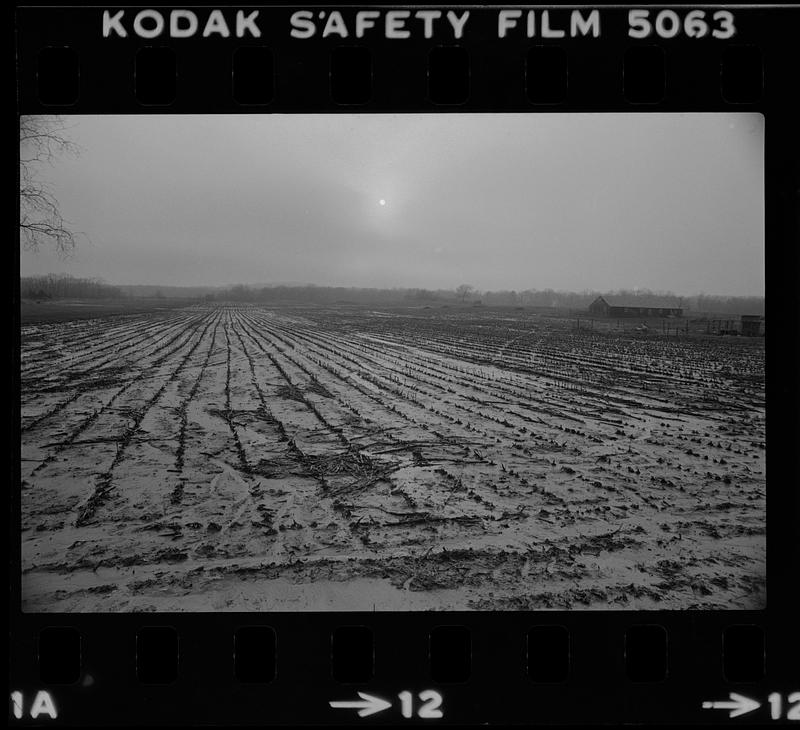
<point>237,457</point>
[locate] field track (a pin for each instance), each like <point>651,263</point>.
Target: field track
<point>238,457</point>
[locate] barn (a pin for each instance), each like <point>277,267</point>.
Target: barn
<point>605,306</point>
<point>751,325</point>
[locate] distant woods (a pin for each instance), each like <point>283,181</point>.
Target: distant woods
<point>468,296</point>
<point>61,286</point>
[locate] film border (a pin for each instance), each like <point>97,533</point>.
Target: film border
<point>498,690</point>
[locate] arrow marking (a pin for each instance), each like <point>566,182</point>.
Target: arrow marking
<point>738,705</point>
<point>367,705</point>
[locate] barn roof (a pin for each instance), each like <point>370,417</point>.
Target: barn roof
<point>643,301</point>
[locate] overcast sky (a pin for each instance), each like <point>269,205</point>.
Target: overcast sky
<point>507,201</point>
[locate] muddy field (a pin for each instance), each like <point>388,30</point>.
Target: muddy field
<point>252,458</point>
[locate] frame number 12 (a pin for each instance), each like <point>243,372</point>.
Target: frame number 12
<point>776,706</point>
<point>429,709</point>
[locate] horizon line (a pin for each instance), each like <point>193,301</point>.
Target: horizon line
<point>475,291</point>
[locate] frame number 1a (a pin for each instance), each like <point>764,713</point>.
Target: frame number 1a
<point>430,701</point>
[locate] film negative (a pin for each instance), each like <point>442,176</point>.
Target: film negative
<point>405,365</point>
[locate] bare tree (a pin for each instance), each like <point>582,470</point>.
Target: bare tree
<point>463,290</point>
<point>41,140</point>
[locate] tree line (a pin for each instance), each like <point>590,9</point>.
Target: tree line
<point>64,286</point>
<point>469,296</point>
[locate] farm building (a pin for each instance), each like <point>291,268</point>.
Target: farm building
<point>751,325</point>
<point>615,307</point>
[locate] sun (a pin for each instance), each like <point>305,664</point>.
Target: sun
<point>381,202</point>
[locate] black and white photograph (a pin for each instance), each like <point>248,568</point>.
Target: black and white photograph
<point>392,362</point>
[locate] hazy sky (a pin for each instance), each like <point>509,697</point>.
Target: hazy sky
<point>507,201</point>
